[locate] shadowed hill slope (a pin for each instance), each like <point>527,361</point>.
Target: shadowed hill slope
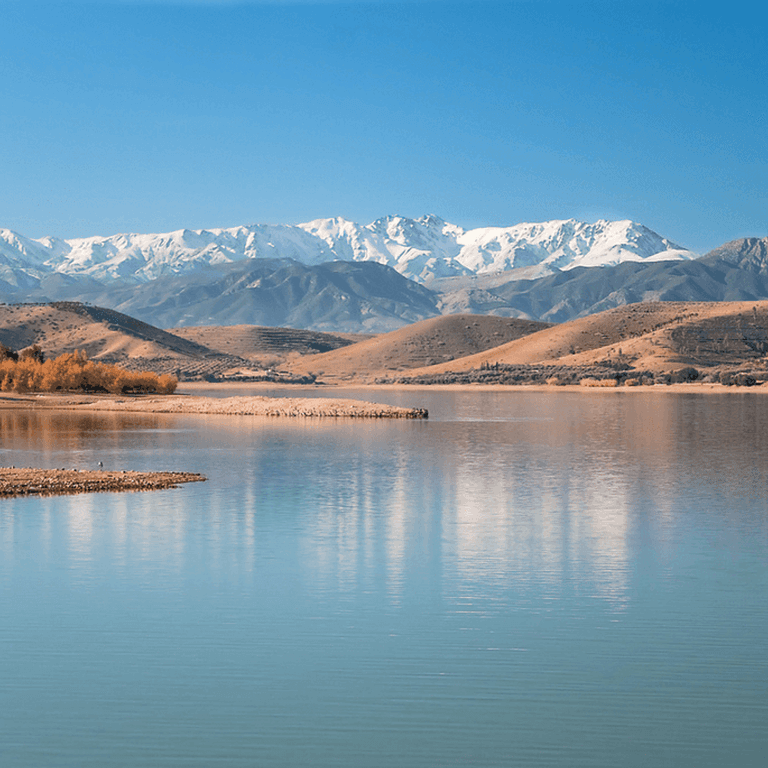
<point>338,297</point>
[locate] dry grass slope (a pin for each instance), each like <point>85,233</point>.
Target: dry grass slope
<point>265,344</point>
<point>652,336</point>
<point>102,333</point>
<point>112,337</point>
<point>424,343</point>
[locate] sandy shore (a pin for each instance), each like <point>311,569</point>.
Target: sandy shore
<point>48,482</point>
<point>234,406</point>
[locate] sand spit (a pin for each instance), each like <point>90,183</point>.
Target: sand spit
<point>265,406</point>
<point>50,482</point>
<point>296,407</point>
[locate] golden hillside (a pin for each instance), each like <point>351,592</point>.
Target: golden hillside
<point>650,336</point>
<point>265,344</point>
<point>422,344</point>
<point>103,333</point>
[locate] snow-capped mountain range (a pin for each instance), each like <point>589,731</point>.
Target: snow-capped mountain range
<point>420,249</point>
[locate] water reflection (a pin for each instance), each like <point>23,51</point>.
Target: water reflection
<point>387,593</point>
<point>548,494</point>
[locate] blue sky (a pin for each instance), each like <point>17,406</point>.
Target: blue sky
<point>153,116</point>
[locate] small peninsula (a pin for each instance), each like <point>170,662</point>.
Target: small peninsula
<point>295,407</point>
<point>26,481</point>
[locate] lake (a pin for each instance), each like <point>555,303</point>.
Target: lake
<point>526,579</point>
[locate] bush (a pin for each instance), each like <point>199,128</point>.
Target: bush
<point>684,375</point>
<point>744,380</point>
<point>590,382</point>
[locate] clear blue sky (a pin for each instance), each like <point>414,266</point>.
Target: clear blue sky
<point>153,116</point>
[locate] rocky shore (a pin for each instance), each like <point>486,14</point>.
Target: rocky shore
<point>49,482</point>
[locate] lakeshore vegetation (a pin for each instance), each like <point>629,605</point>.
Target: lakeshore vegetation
<point>29,371</point>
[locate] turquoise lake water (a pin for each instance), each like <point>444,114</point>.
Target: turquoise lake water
<point>526,579</point>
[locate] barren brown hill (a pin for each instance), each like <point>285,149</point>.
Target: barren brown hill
<point>112,337</point>
<point>421,344</point>
<point>649,335</point>
<point>262,343</point>
<point>102,333</point>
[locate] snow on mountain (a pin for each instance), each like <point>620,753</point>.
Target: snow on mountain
<point>19,251</point>
<point>22,261</point>
<point>554,245</point>
<point>146,257</point>
<point>428,248</point>
<point>421,249</point>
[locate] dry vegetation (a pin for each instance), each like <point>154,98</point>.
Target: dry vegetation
<point>74,372</point>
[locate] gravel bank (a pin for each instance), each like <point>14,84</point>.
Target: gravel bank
<point>49,482</point>
<point>259,406</point>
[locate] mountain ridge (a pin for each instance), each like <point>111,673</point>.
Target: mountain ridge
<point>419,249</point>
<point>371,297</point>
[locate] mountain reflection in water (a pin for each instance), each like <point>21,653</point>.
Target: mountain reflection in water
<point>525,579</point>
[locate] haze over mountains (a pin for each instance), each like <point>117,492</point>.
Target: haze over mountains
<point>338,276</point>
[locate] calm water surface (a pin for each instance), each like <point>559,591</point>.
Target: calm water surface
<point>532,579</point>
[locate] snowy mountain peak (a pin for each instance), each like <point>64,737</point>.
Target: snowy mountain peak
<point>421,249</point>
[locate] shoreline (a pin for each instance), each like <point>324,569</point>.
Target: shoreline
<point>188,402</point>
<point>29,481</point>
<point>256,405</point>
<point>188,388</point>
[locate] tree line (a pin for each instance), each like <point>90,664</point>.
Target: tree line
<point>29,371</point>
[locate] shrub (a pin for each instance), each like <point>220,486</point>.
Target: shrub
<point>167,384</point>
<point>684,375</point>
<point>72,372</point>
<point>744,380</point>
<point>590,382</point>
